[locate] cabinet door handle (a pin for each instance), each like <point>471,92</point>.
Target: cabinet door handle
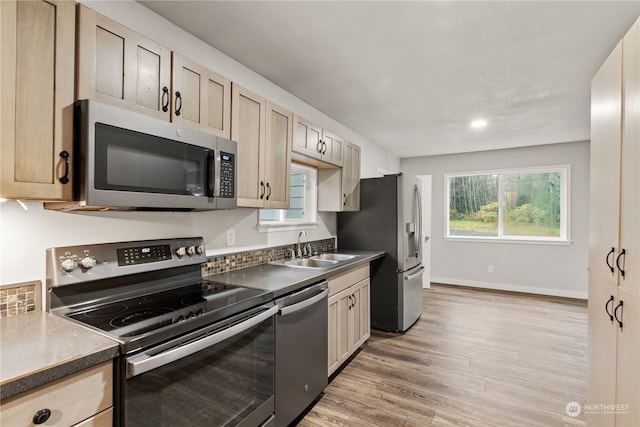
<point>611,252</point>
<point>178,106</point>
<point>344,200</point>
<point>354,300</point>
<point>65,178</point>
<point>349,305</point>
<point>606,307</point>
<point>165,99</point>
<point>615,314</point>
<point>622,255</point>
<point>319,146</point>
<point>263,190</point>
<point>269,193</point>
<point>41,416</point>
<point>324,144</point>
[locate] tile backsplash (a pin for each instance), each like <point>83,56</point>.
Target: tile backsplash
<point>20,298</point>
<point>239,260</point>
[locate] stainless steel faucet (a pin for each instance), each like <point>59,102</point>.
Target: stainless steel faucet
<point>302,233</point>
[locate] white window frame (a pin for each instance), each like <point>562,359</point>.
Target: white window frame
<point>565,207</point>
<point>310,218</point>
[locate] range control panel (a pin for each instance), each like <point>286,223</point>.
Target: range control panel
<point>75,264</point>
<point>143,254</point>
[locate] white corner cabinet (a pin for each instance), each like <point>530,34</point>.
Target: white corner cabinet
<point>82,399</point>
<point>349,314</point>
<point>120,67</point>
<point>264,133</point>
<point>339,188</point>
<point>37,77</point>
<point>614,239</point>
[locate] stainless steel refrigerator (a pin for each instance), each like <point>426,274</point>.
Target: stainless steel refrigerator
<point>389,220</point>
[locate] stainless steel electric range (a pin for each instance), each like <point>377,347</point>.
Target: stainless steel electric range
<point>193,351</point>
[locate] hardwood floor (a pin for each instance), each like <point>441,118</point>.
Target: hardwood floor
<point>475,358</point>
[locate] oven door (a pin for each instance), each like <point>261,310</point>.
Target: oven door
<point>222,375</point>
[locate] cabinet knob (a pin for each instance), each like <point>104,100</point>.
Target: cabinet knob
<point>41,416</point>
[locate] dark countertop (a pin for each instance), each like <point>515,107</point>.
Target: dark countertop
<point>39,347</point>
<point>281,280</point>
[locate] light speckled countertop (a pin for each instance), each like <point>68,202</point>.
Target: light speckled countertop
<point>38,347</point>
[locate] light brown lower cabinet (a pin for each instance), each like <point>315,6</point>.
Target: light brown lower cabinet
<point>82,399</point>
<point>349,318</point>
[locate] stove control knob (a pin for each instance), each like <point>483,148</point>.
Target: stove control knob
<point>181,251</point>
<point>88,262</point>
<point>191,250</point>
<point>200,249</point>
<point>68,265</point>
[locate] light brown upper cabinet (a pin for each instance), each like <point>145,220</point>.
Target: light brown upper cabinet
<point>315,143</point>
<point>339,188</point>
<point>264,134</point>
<point>37,70</point>
<point>351,178</point>
<point>118,66</point>
<point>201,98</point>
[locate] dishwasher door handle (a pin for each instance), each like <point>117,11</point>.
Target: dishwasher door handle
<point>304,304</point>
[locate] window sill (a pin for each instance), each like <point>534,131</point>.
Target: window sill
<point>272,228</point>
<point>515,241</point>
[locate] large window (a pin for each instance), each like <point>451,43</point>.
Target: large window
<point>523,204</point>
<point>303,201</point>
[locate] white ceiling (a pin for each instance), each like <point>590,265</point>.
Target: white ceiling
<point>410,76</point>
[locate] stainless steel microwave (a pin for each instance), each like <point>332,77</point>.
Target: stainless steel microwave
<point>126,160</point>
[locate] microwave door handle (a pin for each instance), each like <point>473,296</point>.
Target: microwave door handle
<point>211,171</point>
<point>218,171</point>
<point>142,363</point>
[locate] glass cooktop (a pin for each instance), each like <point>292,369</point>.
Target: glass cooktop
<point>141,314</point>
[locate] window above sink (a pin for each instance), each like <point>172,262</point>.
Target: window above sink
<point>302,212</point>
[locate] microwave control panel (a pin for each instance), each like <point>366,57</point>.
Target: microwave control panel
<point>227,174</point>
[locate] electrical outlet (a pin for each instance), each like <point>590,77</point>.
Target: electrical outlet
<point>490,269</point>
<point>231,237</point>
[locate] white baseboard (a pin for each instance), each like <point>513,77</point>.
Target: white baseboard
<point>512,288</point>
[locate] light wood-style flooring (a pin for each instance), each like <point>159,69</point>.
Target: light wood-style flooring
<point>475,358</point>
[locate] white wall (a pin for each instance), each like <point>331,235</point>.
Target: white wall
<point>25,234</point>
<point>544,269</point>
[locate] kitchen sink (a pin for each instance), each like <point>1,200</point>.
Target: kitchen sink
<point>334,257</point>
<point>316,261</point>
<point>307,262</point>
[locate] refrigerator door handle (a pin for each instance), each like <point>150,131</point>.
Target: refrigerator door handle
<point>414,275</point>
<point>418,221</point>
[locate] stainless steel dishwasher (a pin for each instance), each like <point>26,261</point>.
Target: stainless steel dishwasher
<point>301,351</point>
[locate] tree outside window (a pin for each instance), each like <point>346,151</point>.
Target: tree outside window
<point>529,204</point>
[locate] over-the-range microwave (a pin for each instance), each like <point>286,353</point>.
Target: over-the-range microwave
<point>125,160</point>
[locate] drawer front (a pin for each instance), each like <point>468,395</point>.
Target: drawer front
<point>70,400</point>
<point>103,419</point>
<point>343,281</point>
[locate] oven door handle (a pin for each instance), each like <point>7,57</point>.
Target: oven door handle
<point>141,363</point>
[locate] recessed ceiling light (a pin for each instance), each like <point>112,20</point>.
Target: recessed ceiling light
<point>480,123</point>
